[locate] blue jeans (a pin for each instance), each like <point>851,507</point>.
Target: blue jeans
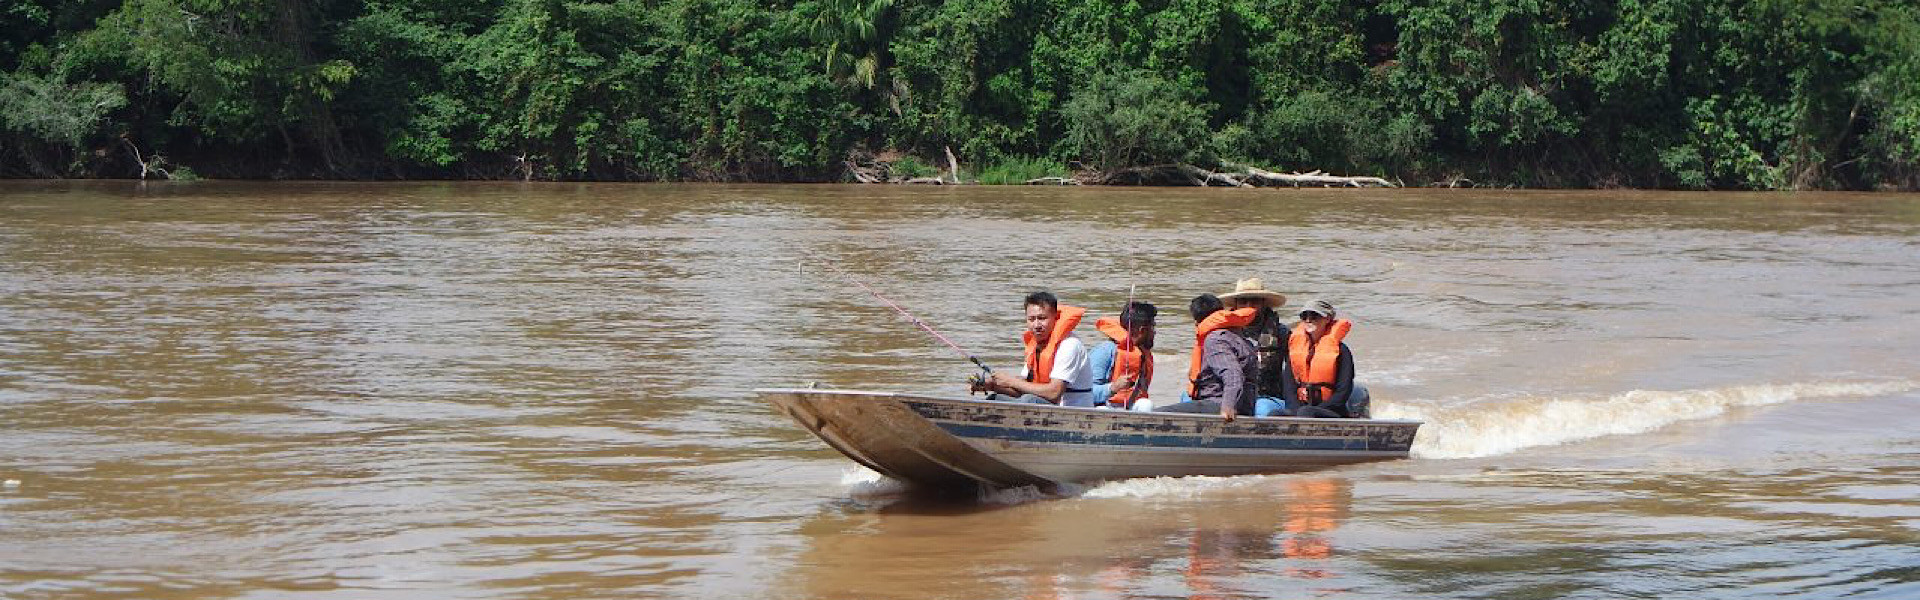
<point>1359,406</point>
<point>1022,399</point>
<point>1267,406</point>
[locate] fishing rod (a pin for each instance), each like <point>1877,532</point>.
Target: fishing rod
<point>1133,392</point>
<point>915,320</point>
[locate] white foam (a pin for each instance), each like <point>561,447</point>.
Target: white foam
<point>867,484</point>
<point>1025,494</point>
<point>1493,426</point>
<point>1172,488</point>
<point>863,482</point>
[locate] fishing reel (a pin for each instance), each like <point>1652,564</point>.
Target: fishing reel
<point>976,383</point>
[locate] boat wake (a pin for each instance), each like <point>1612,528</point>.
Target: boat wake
<point>1472,429</point>
<point>1496,426</point>
<point>866,484</point>
<point>1183,488</point>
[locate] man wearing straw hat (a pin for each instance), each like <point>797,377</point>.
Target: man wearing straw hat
<point>1269,337</point>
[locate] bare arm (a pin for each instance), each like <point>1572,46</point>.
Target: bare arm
<point>1050,390</point>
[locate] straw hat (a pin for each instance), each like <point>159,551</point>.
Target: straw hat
<point>1253,288</point>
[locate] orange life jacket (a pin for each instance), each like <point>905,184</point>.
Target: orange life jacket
<point>1220,319</point>
<point>1040,363</point>
<point>1128,361</point>
<point>1316,366</point>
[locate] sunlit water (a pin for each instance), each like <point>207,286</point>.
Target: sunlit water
<point>233,390</point>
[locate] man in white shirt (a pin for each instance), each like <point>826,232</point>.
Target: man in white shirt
<point>1056,369</point>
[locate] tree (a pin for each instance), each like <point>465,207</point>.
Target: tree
<point>40,112</point>
<point>1125,119</point>
<point>856,34</point>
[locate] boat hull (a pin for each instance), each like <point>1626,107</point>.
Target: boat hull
<point>951,442</point>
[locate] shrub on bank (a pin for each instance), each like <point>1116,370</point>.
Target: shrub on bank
<point>1676,93</point>
<point>1016,170</point>
<point>911,167</point>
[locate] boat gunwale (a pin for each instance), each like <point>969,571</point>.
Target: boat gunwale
<point>1080,409</point>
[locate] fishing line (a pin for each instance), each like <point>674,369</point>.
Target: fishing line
<point>903,312</point>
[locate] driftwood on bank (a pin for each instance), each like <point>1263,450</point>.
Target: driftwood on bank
<point>157,165</point>
<point>864,174</point>
<point>953,165</point>
<point>1052,181</point>
<point>867,168</point>
<point>1181,174</point>
<point>1315,178</point>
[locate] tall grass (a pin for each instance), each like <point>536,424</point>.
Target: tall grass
<point>911,167</point>
<point>1016,170</point>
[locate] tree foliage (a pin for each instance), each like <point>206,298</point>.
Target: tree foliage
<point>1137,118</point>
<point>1749,94</point>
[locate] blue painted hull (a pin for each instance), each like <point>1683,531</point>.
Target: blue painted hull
<point>953,442</point>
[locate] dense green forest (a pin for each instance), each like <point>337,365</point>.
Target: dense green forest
<point>1720,94</point>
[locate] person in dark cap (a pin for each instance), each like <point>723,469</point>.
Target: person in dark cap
<point>1317,380</point>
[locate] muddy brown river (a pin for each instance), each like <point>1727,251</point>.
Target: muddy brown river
<point>508,391</point>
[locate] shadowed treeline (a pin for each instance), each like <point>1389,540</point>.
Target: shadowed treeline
<point>1765,94</point>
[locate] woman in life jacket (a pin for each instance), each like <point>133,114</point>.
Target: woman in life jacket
<point>1318,380</point>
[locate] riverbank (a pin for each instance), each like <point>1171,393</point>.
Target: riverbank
<point>900,170</point>
<point>1679,94</point>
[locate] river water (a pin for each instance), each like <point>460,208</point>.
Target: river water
<point>292,390</point>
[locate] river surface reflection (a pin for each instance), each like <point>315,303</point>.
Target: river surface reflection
<point>1169,535</point>
<point>331,390</point>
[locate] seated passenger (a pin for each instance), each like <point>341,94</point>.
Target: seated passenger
<point>1269,337</point>
<point>1318,378</point>
<point>1218,319</point>
<point>1056,367</point>
<point>1123,365</point>
<point>1222,380</point>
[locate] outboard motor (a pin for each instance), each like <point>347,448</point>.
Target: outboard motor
<point>1359,403</point>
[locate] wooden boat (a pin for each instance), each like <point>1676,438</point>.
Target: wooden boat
<point>966,443</point>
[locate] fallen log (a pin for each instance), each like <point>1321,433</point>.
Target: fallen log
<point>1205,178</point>
<point>862,174</point>
<point>1052,181</point>
<point>1180,174</point>
<point>1315,178</point>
